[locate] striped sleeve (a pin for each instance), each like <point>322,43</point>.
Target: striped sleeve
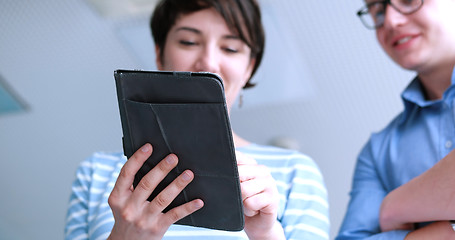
<point>89,215</point>
<point>76,226</point>
<point>306,211</point>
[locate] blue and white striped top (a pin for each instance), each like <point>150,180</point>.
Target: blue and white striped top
<point>303,209</point>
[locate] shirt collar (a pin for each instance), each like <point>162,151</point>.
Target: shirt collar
<point>414,96</point>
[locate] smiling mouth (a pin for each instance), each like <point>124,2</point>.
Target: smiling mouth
<point>402,41</point>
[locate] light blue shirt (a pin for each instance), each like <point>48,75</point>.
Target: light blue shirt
<point>412,143</point>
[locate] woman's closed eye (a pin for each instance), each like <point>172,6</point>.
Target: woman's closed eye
<point>187,43</point>
<point>233,46</point>
<point>230,50</point>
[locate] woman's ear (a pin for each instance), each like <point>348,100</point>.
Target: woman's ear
<point>249,70</point>
<point>159,63</point>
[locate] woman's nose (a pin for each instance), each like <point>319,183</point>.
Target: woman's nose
<point>208,61</point>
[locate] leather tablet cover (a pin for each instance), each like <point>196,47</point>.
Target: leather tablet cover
<point>184,113</point>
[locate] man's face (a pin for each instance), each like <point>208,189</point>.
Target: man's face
<point>422,40</point>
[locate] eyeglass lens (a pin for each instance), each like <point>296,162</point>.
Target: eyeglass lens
<point>374,13</point>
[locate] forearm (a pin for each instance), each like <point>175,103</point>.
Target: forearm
<point>437,230</point>
<point>402,207</point>
<point>410,202</point>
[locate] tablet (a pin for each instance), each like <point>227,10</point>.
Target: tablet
<point>184,113</point>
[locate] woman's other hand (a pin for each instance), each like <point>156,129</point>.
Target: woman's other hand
<point>137,218</point>
<point>260,199</point>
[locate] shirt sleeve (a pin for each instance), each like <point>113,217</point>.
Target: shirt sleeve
<point>76,226</point>
<point>306,213</point>
<point>362,217</point>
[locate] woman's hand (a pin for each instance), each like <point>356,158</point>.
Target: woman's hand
<point>260,199</point>
<point>137,218</point>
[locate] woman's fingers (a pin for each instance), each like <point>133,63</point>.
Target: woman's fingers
<point>122,188</point>
<point>259,193</point>
<point>150,180</point>
<point>249,172</point>
<point>132,212</point>
<point>243,159</point>
<point>181,211</point>
<point>253,187</point>
<point>165,197</point>
<point>263,202</point>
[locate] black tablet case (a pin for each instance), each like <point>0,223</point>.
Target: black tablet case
<point>184,113</point>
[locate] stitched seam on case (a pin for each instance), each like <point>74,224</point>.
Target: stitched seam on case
<point>214,176</point>
<point>160,125</point>
<point>128,126</point>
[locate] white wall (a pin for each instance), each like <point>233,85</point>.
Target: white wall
<point>60,57</point>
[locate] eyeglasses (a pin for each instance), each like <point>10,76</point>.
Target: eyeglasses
<point>372,14</point>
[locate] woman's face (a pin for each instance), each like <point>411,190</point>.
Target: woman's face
<point>202,42</point>
<point>423,40</point>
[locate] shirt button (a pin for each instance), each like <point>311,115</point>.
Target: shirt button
<point>449,144</point>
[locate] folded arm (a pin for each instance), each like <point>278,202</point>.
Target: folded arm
<point>428,197</point>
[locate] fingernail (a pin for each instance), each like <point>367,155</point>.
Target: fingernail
<point>186,176</point>
<point>146,148</point>
<point>198,204</point>
<point>170,159</point>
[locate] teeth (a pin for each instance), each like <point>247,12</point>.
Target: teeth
<point>403,40</point>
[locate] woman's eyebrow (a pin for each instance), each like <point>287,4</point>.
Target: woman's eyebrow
<point>194,30</point>
<point>188,29</point>
<point>233,37</point>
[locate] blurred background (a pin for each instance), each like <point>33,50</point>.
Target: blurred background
<point>323,88</point>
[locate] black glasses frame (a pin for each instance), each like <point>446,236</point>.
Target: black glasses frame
<point>364,11</point>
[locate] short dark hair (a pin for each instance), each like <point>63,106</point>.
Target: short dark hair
<point>242,17</point>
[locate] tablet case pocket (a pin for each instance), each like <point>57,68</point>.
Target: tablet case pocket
<point>174,128</point>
